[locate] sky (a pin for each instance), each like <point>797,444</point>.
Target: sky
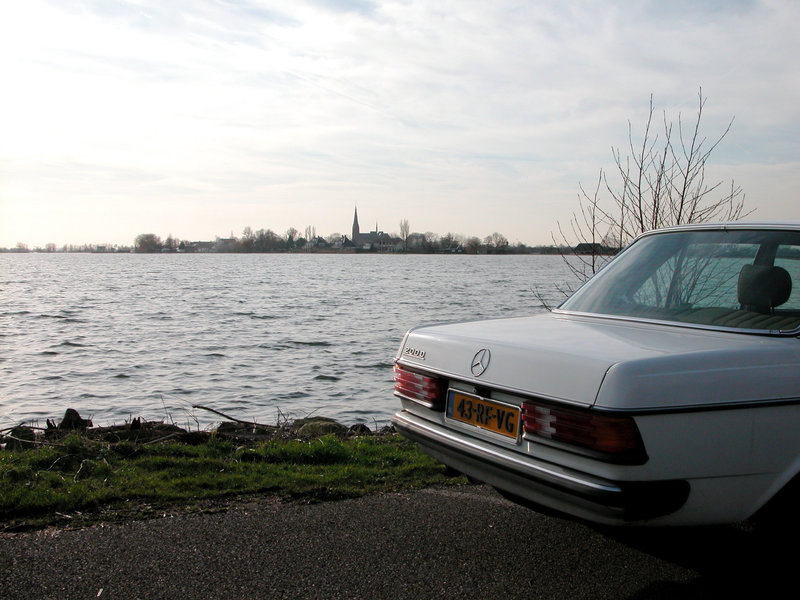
<point>198,118</point>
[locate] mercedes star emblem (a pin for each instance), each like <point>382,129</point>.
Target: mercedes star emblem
<point>480,362</point>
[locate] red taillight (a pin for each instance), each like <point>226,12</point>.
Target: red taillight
<point>615,436</point>
<point>418,387</point>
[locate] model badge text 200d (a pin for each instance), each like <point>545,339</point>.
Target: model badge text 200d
<point>665,391</point>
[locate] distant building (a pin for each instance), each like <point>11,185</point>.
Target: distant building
<point>225,244</point>
<point>374,240</point>
<point>318,242</point>
<point>196,247</point>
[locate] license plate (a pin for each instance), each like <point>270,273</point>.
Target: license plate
<point>485,414</point>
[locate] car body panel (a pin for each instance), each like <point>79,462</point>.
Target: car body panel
<point>717,410</point>
<point>568,358</point>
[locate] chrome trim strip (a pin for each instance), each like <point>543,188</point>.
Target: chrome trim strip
<point>693,408</point>
<point>684,324</point>
<point>581,483</point>
<point>429,405</point>
<point>732,225</point>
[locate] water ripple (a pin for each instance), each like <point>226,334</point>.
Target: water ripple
<point>259,335</point>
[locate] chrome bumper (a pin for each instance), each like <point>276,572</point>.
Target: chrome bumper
<point>545,484</point>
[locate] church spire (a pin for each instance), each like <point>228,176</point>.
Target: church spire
<point>356,230</point>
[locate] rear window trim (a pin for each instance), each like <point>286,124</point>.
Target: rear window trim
<point>685,324</point>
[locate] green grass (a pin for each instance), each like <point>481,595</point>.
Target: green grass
<point>82,477</point>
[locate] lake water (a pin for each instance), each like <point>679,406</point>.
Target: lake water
<point>258,336</point>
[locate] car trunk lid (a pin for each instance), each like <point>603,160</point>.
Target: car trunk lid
<point>566,358</point>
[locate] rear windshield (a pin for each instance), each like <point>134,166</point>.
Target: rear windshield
<point>740,279</point>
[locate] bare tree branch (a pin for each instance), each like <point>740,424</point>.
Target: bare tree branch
<point>660,182</point>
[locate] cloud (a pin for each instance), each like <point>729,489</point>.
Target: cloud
<point>399,105</point>
<point>364,7</point>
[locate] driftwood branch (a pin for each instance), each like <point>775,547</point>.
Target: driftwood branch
<point>234,419</point>
<point>23,441</point>
<point>174,434</point>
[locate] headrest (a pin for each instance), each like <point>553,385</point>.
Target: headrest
<point>762,288</point>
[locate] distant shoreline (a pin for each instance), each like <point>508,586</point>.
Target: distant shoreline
<point>533,250</point>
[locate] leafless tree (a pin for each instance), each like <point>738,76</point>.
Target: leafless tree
<point>473,245</point>
<point>496,241</point>
<point>405,230</point>
<point>147,242</point>
<point>660,182</point>
<point>291,234</point>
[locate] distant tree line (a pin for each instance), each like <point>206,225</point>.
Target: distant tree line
<point>266,240</point>
<point>21,248</point>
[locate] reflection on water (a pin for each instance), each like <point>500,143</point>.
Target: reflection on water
<point>257,336</point>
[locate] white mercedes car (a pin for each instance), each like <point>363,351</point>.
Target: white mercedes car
<point>665,391</point>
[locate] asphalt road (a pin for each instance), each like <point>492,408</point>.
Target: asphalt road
<point>462,542</point>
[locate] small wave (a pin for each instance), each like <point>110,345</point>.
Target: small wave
<point>64,318</point>
<point>299,343</point>
<point>293,395</point>
<point>378,365</point>
<point>214,355</point>
<point>121,376</point>
<point>183,391</point>
<point>327,378</point>
<point>255,316</point>
<point>49,353</point>
<point>72,344</point>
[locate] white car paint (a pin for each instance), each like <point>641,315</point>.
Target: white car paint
<point>718,412</point>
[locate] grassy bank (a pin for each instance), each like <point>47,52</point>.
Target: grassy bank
<point>78,480</point>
